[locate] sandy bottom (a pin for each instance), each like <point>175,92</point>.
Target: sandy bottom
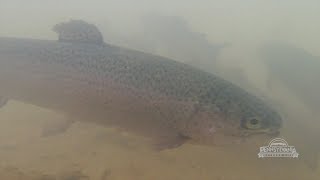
<point>87,151</point>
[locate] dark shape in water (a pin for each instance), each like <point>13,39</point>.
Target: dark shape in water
<point>174,36</point>
<point>297,69</point>
<point>300,72</point>
<point>160,98</point>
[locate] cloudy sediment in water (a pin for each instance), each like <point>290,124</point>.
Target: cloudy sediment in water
<point>238,40</point>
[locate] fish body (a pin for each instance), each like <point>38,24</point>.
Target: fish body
<point>143,93</point>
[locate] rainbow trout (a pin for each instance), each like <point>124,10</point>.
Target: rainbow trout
<point>167,101</point>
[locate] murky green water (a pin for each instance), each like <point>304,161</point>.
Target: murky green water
<point>186,31</point>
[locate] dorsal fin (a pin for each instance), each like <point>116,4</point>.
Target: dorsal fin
<point>78,31</point>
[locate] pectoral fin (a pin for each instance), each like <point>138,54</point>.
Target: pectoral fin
<point>169,142</point>
<point>3,101</point>
<point>53,128</point>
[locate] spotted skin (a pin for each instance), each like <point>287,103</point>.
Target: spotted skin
<point>149,95</point>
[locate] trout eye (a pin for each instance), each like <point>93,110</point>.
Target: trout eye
<point>253,123</point>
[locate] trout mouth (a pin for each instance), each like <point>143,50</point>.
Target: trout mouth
<point>272,132</point>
